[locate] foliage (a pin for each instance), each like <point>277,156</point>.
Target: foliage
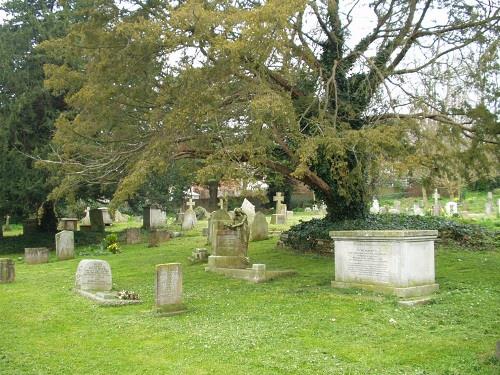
<point>303,236</point>
<point>128,295</point>
<point>276,86</point>
<point>201,213</point>
<point>110,243</point>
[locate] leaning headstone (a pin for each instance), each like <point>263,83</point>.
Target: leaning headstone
<point>106,216</point>
<point>96,220</point>
<point>36,255</point>
<point>7,271</point>
<point>65,245</point>
<point>168,286</point>
<point>488,210</point>
<point>259,230</point>
<point>132,236</point>
<point>249,210</point>
<point>93,275</point>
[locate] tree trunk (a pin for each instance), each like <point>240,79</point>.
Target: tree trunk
<point>213,190</point>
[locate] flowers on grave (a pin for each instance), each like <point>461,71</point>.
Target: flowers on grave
<point>128,295</point>
<point>110,243</point>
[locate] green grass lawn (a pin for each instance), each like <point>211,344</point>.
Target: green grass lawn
<point>294,325</point>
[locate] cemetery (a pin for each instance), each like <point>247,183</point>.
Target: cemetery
<point>249,187</point>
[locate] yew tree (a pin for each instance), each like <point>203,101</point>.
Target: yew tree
<point>313,90</point>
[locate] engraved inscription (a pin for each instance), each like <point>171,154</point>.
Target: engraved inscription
<point>370,262</point>
<point>169,285</point>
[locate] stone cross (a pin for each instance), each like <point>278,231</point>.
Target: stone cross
<point>278,198</point>
<point>436,209</point>
<point>190,203</point>
<point>221,203</point>
<point>436,195</point>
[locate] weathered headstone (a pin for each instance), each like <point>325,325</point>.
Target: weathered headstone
<point>86,219</point>
<point>189,220</point>
<point>199,255</point>
<point>132,236</point>
<point>488,209</point>
<point>216,222</point>
<point>96,220</point>
<point>375,207</point>
<point>168,288</point>
<point>93,275</point>
<point>259,230</point>
<point>69,223</point>
<point>65,245</point>
<point>106,216</point>
<point>399,262</point>
<point>153,218</point>
<point>279,217</point>
<point>249,210</point>
<point>7,271</point>
<point>436,209</point>
<point>158,236</point>
<point>451,208</point>
<point>36,255</point>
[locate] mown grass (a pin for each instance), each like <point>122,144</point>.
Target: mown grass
<point>294,325</point>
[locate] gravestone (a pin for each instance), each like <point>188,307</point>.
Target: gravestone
<point>132,236</point>
<point>451,208</point>
<point>93,275</point>
<point>168,286</point>
<point>199,255</point>
<point>436,209</point>
<point>189,220</point>
<point>120,218</point>
<point>399,262</point>
<point>216,222</point>
<point>96,220</point>
<point>308,209</point>
<point>375,207</point>
<point>249,210</point>
<point>488,209</point>
<point>106,216</point>
<point>279,217</point>
<point>69,223</point>
<point>179,216</point>
<point>65,245</point>
<point>86,219</point>
<point>36,255</point>
<point>158,236</point>
<point>7,271</point>
<point>259,230</point>
<point>153,218</point>
<point>6,227</point>
<point>417,210</point>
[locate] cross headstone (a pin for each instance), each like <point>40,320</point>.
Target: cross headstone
<point>278,198</point>
<point>221,203</point>
<point>190,203</point>
<point>7,223</point>
<point>436,209</point>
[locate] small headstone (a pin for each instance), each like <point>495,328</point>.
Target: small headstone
<point>417,210</point>
<point>488,210</point>
<point>289,214</point>
<point>6,227</point>
<point>451,208</point>
<point>168,288</point>
<point>308,209</point>
<point>133,236</point>
<point>158,236</point>
<point>96,220</point>
<point>259,229</point>
<point>7,271</point>
<point>36,255</point>
<point>93,275</point>
<point>65,245</point>
<point>106,216</point>
<point>199,255</point>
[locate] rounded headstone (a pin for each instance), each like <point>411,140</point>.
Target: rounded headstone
<point>93,275</point>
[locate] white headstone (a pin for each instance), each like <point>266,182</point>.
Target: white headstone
<point>375,208</point>
<point>189,220</point>
<point>93,275</point>
<point>417,210</point>
<point>451,208</point>
<point>86,219</point>
<point>489,204</point>
<point>65,245</point>
<point>249,209</point>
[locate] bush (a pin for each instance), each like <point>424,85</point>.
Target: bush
<point>302,236</point>
<point>201,213</point>
<point>110,243</point>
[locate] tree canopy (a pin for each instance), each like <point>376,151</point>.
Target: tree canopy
<point>286,86</point>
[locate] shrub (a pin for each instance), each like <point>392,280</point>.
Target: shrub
<point>302,236</point>
<point>110,243</point>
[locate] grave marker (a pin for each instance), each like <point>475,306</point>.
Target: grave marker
<point>168,288</point>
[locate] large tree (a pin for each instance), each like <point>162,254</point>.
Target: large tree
<point>286,86</point>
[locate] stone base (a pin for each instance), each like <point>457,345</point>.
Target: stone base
<point>278,219</point>
<point>225,261</point>
<point>415,301</point>
<point>256,274</point>
<point>413,291</point>
<point>85,228</point>
<point>107,298</point>
<point>169,310</point>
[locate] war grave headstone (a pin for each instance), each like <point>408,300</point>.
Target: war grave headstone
<point>189,220</point>
<point>451,208</point>
<point>36,255</point>
<point>436,208</point>
<point>65,245</point>
<point>168,287</point>
<point>153,218</point>
<point>69,223</point>
<point>7,271</point>
<point>96,220</point>
<point>133,236</point>
<point>199,255</point>
<point>93,280</point>
<point>398,262</point>
<point>259,230</point>
<point>230,252</point>
<point>106,216</point>
<point>488,209</point>
<point>278,217</point>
